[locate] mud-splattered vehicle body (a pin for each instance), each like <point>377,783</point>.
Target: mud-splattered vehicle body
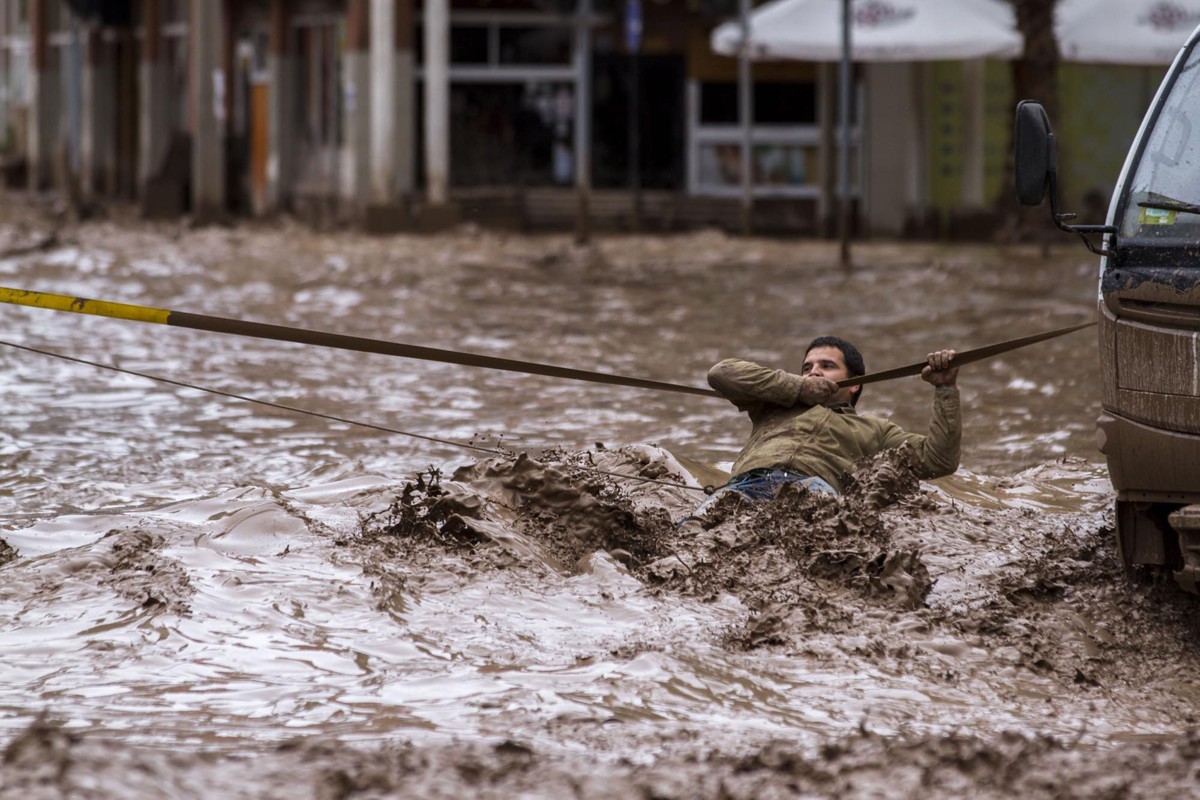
<point>1149,317</point>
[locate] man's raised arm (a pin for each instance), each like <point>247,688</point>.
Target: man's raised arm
<point>750,386</point>
<point>940,451</point>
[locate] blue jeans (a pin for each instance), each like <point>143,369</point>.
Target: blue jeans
<point>763,484</point>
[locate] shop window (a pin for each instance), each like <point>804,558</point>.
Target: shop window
<point>774,104</point>
<point>500,44</point>
<point>785,148</point>
<point>535,45</point>
<point>512,134</point>
<point>468,44</point>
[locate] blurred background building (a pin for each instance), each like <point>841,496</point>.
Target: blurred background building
<point>394,114</point>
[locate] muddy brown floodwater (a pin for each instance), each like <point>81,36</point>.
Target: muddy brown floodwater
<point>203,597</point>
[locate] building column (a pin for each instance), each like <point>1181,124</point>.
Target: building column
<point>827,149</point>
<point>206,39</point>
<point>383,103</point>
<point>583,120</point>
<point>916,196</point>
<point>385,208</point>
<point>356,180</point>
<point>887,143</point>
<point>153,85</point>
<point>98,126</point>
<point>41,97</point>
<point>6,99</point>
<point>406,101</point>
<point>974,109</point>
<point>278,83</point>
<point>437,104</point>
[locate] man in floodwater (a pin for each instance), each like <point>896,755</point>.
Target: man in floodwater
<point>805,429</point>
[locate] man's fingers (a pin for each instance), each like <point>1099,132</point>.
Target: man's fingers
<point>938,371</point>
<point>941,359</point>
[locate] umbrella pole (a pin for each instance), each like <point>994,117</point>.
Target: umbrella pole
<point>844,138</point>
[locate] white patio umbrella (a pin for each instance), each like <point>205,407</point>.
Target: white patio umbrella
<point>881,30</point>
<point>878,30</point>
<point>1124,31</point>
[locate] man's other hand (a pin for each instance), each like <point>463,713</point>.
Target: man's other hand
<point>816,390</point>
<point>938,371</point>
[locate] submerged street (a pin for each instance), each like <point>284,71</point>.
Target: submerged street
<point>187,580</point>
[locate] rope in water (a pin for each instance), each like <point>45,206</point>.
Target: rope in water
<point>330,417</point>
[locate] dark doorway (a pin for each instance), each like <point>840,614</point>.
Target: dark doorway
<point>662,121</point>
<point>506,134</point>
<point>128,55</point>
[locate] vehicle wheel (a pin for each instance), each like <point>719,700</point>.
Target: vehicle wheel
<point>1144,537</point>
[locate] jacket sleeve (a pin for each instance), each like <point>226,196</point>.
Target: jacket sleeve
<point>938,452</point>
<point>753,388</point>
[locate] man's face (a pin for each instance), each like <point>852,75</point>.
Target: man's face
<point>828,362</point>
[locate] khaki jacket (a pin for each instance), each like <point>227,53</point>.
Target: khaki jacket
<point>826,442</point>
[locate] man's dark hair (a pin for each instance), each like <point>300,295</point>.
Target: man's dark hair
<point>854,360</point>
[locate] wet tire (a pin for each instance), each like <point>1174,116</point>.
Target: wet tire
<point>1145,538</point>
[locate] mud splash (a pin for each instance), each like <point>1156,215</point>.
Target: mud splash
<point>556,508</point>
<point>893,574</point>
<point>792,555</point>
<point>141,574</point>
<point>802,550</point>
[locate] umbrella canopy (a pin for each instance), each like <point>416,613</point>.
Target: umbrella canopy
<point>882,30</point>
<point>1124,31</point>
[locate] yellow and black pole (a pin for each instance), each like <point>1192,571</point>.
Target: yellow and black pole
<point>259,330</point>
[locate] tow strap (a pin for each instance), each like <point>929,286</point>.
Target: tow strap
<point>260,330</point>
<point>965,357</point>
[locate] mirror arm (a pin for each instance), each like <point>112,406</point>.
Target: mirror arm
<point>1060,219</point>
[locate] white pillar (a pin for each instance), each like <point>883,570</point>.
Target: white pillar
<point>406,106</point>
<point>437,101</point>
<point>383,102</point>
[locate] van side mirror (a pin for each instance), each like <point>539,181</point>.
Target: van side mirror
<point>1036,162</point>
<point>1034,155</point>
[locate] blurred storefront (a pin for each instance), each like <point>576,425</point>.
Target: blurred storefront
<point>304,106</point>
<point>120,97</point>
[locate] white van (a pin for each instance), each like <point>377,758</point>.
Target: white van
<point>1149,316</point>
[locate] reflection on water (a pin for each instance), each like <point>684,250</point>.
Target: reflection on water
<point>183,557</point>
